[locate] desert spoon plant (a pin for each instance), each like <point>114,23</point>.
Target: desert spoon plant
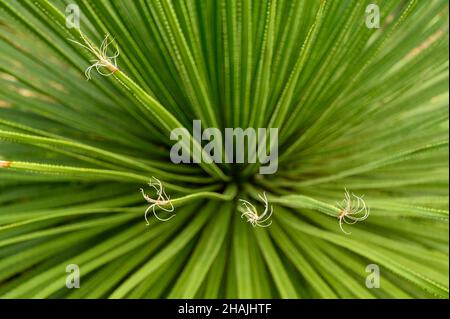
<point>86,112</point>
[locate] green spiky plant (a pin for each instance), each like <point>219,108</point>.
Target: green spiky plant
<point>357,108</point>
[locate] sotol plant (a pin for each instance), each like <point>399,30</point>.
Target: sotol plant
<point>357,108</point>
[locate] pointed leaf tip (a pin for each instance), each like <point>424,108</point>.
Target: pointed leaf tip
<point>5,164</point>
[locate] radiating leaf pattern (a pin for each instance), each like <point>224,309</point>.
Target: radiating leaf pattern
<point>357,108</point>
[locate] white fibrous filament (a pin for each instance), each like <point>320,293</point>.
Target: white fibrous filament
<point>103,60</point>
<point>161,202</point>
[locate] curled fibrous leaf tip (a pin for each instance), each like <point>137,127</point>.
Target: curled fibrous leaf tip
<point>353,209</point>
<point>103,60</point>
<point>251,213</point>
<point>162,200</point>
<point>5,164</point>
